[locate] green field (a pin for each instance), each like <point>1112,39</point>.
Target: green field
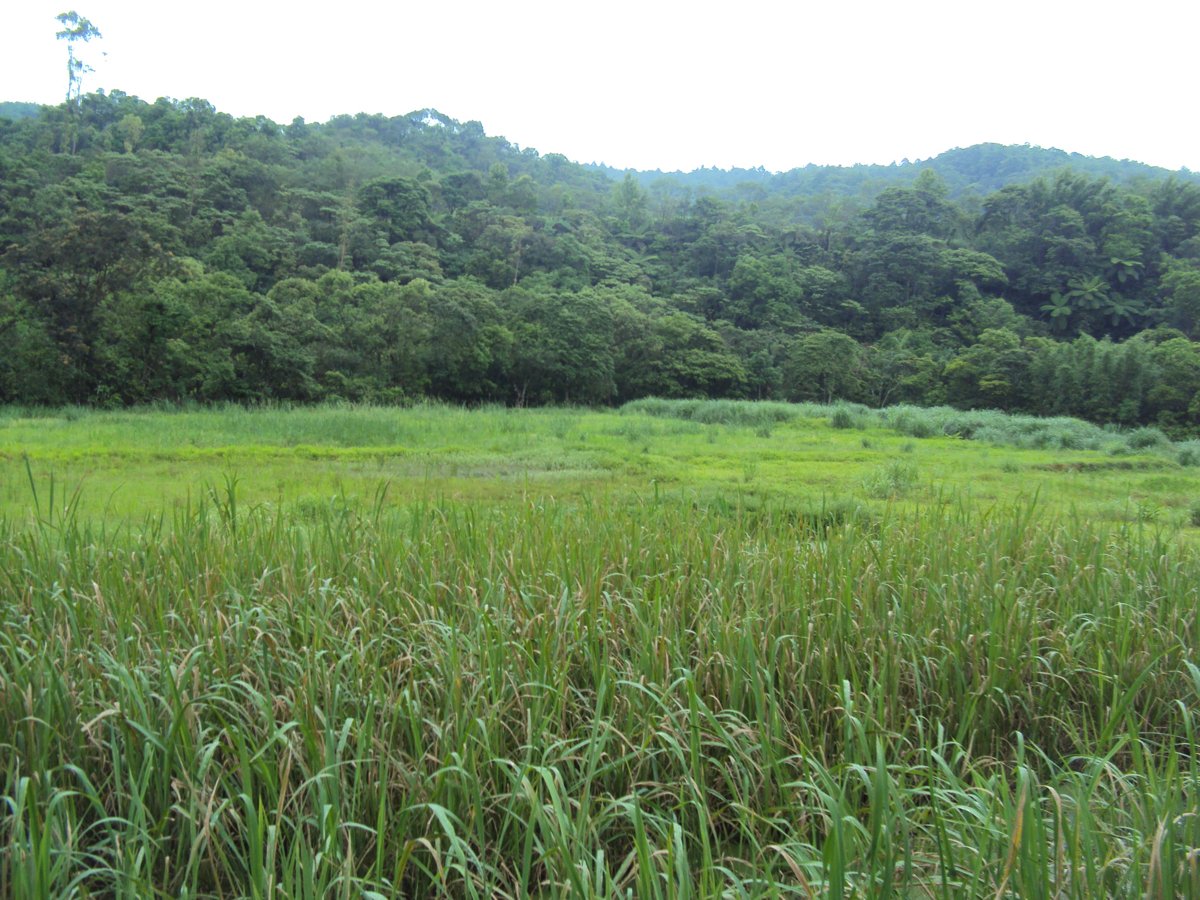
<point>675,650</point>
<point>127,464</point>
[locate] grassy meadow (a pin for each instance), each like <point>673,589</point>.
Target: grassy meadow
<point>674,650</point>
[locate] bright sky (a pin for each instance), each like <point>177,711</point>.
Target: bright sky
<point>660,83</point>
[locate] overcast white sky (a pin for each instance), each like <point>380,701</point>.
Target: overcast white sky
<point>671,85</point>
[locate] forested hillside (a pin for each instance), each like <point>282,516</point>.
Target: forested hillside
<point>166,251</point>
<point>967,172</point>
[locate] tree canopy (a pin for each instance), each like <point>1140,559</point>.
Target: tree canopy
<point>168,251</point>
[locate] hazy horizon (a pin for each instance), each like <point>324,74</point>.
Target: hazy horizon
<point>668,171</point>
<point>668,86</point>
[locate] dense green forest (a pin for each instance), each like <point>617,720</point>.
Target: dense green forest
<point>169,252</point>
<point>969,173</point>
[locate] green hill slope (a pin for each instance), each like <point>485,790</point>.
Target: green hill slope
<point>168,251</point>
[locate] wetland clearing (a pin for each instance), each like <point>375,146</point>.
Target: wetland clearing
<point>672,650</point>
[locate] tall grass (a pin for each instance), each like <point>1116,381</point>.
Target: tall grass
<point>604,698</point>
<point>991,426</point>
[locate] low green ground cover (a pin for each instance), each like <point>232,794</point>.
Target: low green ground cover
<point>124,464</point>
<point>366,651</point>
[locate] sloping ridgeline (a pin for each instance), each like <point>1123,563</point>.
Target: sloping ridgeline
<point>167,251</point>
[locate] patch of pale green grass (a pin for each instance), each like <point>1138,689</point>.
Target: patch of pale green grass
<point>129,462</point>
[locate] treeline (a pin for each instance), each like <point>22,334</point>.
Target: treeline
<point>968,173</point>
<point>166,251</point>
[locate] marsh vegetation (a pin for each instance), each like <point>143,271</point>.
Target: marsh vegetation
<point>568,653</point>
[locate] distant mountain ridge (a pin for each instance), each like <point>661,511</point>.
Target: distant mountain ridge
<point>16,110</point>
<point>978,169</point>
